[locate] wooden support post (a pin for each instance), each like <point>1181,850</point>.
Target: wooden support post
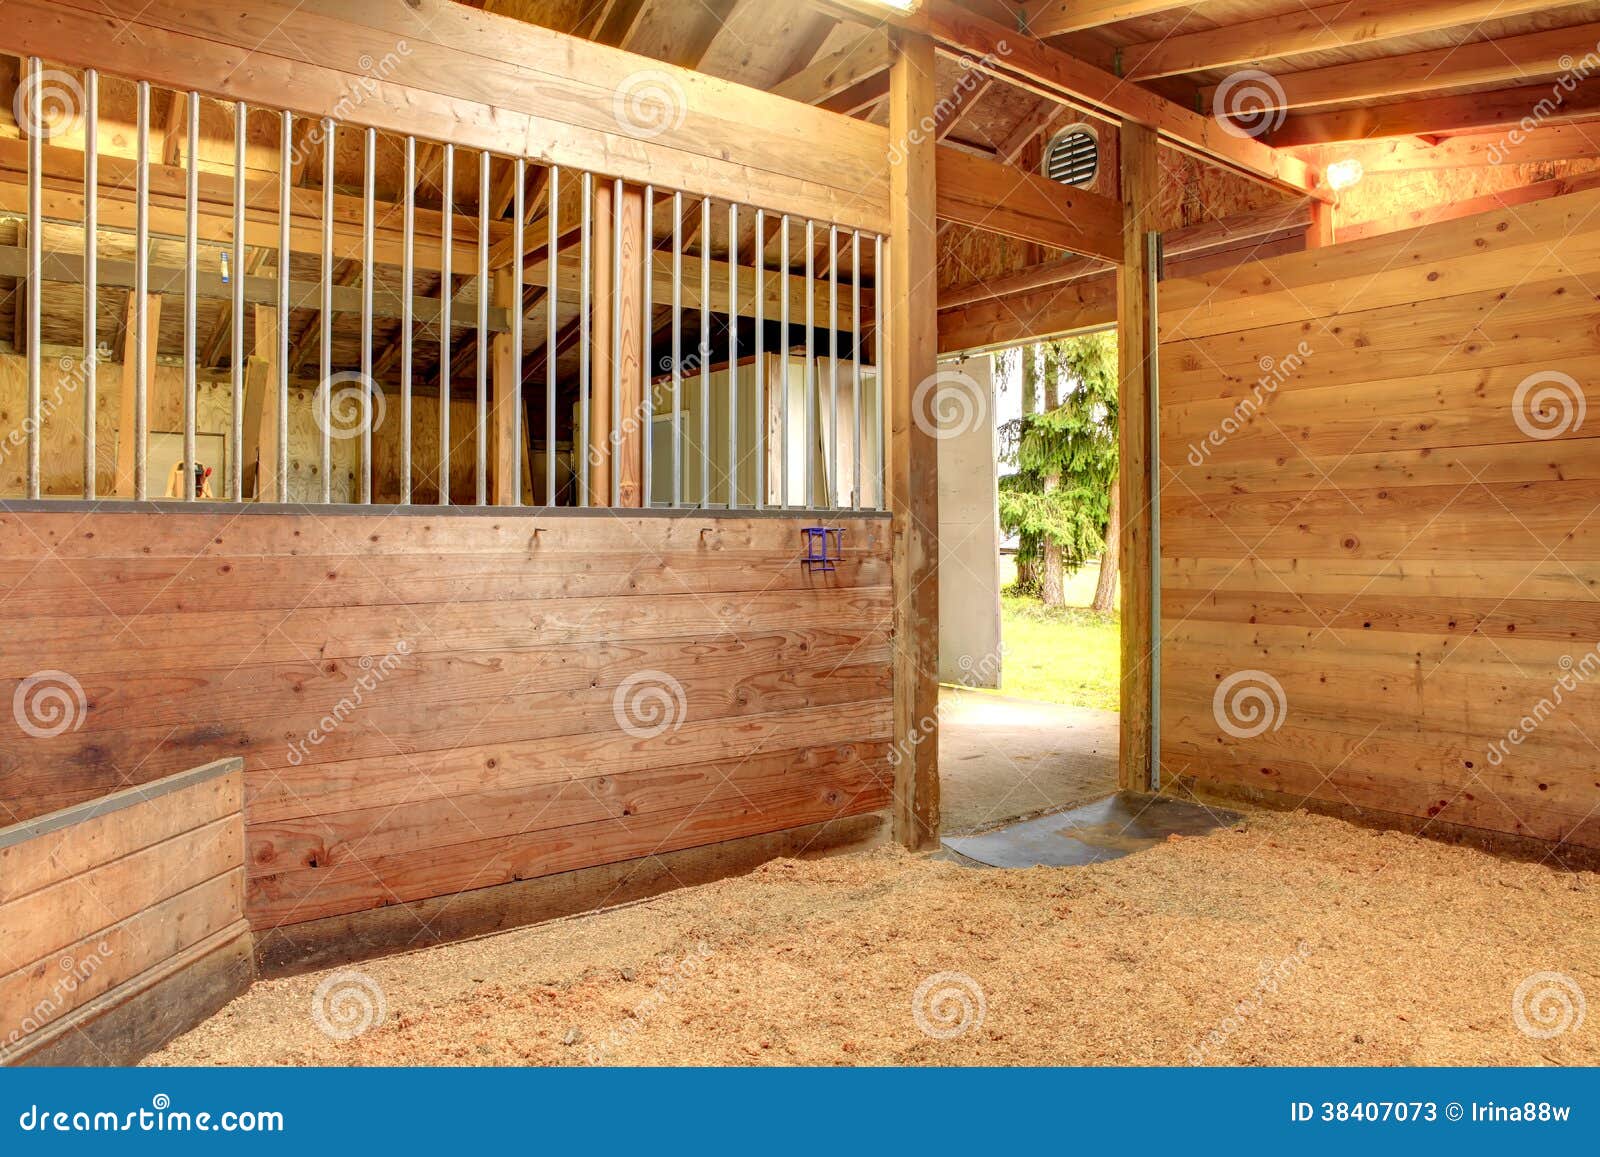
<point>913,460</point>
<point>261,408</point>
<point>126,449</point>
<point>631,426</point>
<point>1321,232</point>
<point>1136,354</point>
<point>603,237</point>
<point>507,395</point>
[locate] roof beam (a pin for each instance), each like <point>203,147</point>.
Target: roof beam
<point>838,71</point>
<point>1470,151</point>
<point>1055,17</point>
<point>1486,62</point>
<point>1475,112</point>
<point>1004,199</point>
<point>1335,25</point>
<point>1048,72</point>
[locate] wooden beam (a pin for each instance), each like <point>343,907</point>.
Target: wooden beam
<point>913,449</point>
<point>1539,104</point>
<point>261,404</point>
<point>1516,58</point>
<point>838,71</point>
<point>484,82</point>
<point>1005,199</point>
<point>1045,18</point>
<point>127,449</point>
<point>1469,151</point>
<point>1048,72</point>
<point>953,109</point>
<point>507,404</point>
<point>1336,25</point>
<point>1137,356</point>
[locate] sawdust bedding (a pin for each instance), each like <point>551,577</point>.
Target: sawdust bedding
<point>1292,940</point>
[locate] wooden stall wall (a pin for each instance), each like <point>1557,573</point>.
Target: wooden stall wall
<point>429,703</point>
<point>1380,552</point>
<point>121,919</point>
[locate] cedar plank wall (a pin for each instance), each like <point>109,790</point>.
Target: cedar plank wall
<point>1382,538</point>
<point>490,750</point>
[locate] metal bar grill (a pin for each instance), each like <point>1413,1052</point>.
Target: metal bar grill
<point>91,295</point>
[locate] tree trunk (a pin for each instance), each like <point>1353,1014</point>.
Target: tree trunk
<point>1105,593</point>
<point>1052,585</point>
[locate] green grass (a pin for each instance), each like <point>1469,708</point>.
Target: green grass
<point>1067,655</point>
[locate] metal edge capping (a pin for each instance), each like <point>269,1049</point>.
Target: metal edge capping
<point>117,801</point>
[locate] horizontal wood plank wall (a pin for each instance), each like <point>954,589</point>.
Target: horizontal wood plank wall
<point>430,703</point>
<point>1381,555</point>
<point>106,901</point>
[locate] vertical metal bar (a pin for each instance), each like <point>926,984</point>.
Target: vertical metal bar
<point>191,249</point>
<point>236,482</point>
<point>369,388</point>
<point>760,431</point>
<point>35,278</point>
<point>880,292</point>
<point>617,419</point>
<point>447,244</point>
<point>733,354</point>
<point>552,269</point>
<point>783,377</point>
<point>705,351</point>
<point>647,352</point>
<point>880,297</point>
<point>91,276</point>
<point>408,273</point>
<point>1153,262</point>
<point>810,451</point>
<point>830,437</point>
<point>325,364</point>
<point>677,349</point>
<point>580,445</point>
<point>855,369</point>
<point>519,178</point>
<point>482,442</point>
<point>285,205</point>
<point>141,291</point>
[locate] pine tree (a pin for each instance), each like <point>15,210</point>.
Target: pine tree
<point>1059,502</point>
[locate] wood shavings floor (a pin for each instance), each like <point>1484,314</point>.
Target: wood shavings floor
<point>1299,940</point>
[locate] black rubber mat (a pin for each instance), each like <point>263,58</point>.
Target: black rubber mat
<point>1104,830</point>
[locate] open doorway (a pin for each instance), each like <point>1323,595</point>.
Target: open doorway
<point>1028,590</point>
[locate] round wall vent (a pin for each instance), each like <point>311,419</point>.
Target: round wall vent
<point>1073,156</point>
